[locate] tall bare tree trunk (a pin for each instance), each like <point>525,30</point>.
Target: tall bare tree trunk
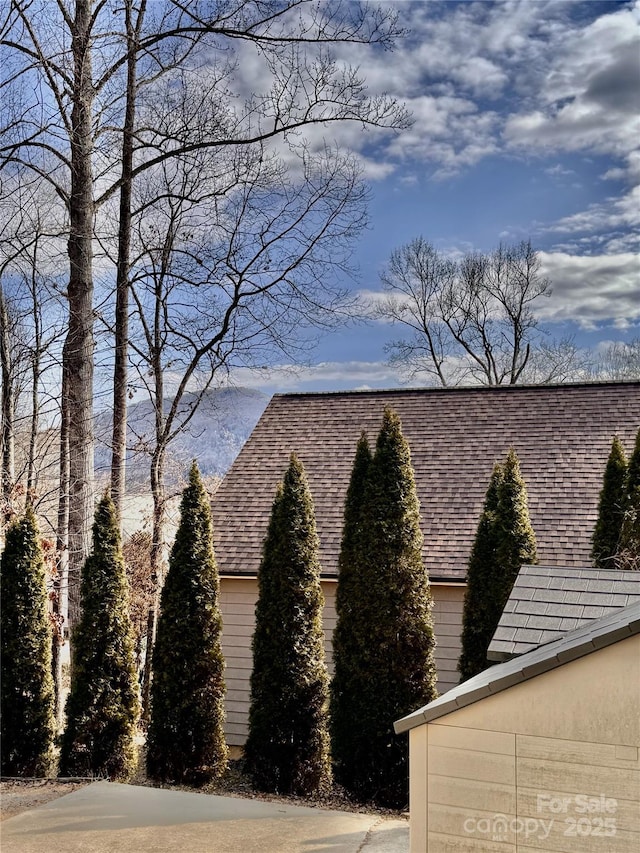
<point>8,405</point>
<point>36,360</point>
<point>62,550</point>
<point>119,437</point>
<point>158,563</point>
<point>78,349</point>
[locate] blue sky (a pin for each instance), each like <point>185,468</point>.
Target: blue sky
<point>526,121</point>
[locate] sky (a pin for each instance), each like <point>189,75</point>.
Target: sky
<point>526,121</point>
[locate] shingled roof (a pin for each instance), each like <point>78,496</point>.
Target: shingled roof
<point>562,435</point>
<point>546,602</point>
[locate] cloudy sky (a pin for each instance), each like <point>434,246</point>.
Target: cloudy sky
<point>526,125</point>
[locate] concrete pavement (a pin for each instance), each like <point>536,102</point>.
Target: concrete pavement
<point>106,817</point>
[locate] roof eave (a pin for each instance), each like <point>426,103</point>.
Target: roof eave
<point>578,643</point>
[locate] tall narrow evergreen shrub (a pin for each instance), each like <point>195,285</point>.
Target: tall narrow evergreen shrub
<point>287,749</point>
<point>102,707</point>
<point>185,741</point>
<point>628,555</point>
<point>392,630</point>
<point>27,727</point>
<point>516,544</point>
<point>477,618</point>
<point>611,508</point>
<point>351,636</point>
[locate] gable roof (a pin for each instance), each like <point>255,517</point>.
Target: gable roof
<point>546,602</point>
<point>597,634</point>
<point>562,435</point>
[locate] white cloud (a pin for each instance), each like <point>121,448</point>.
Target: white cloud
<point>630,171</point>
<point>481,76</point>
<point>591,289</point>
<point>448,131</point>
<point>611,225</point>
<point>558,171</point>
<point>323,376</point>
<point>588,98</point>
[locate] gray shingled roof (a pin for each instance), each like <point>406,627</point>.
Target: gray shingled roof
<point>548,601</point>
<point>562,435</point>
<point>597,634</point>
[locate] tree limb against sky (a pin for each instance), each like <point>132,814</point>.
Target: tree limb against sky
<point>97,95</point>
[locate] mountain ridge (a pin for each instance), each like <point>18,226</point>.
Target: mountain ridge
<point>222,422</point>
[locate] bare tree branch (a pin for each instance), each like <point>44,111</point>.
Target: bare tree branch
<point>471,319</point>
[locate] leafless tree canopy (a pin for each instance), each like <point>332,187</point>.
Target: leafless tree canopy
<point>471,319</point>
<point>31,323</point>
<point>618,360</point>
<point>182,139</point>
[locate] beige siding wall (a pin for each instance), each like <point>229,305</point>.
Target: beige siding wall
<point>237,602</point>
<point>447,623</point>
<point>329,618</point>
<point>552,764</point>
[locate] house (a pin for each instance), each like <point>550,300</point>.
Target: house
<point>562,435</point>
<point>539,752</point>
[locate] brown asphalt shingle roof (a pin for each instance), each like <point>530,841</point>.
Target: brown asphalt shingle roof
<point>546,602</point>
<point>562,435</point>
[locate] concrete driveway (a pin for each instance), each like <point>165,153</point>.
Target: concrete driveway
<point>106,817</point>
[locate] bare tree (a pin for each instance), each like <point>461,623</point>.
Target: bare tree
<point>470,319</point>
<point>137,557</point>
<point>415,280</point>
<point>618,360</point>
<point>27,244</point>
<point>7,360</point>
<point>64,115</point>
<point>236,258</point>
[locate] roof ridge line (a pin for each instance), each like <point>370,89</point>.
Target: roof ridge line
<point>486,389</point>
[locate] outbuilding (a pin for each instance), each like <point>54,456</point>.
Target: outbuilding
<point>540,752</point>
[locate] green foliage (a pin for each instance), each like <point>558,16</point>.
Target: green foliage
<point>611,508</point>
<point>504,542</point>
<point>287,749</point>
<point>516,545</point>
<point>102,707</point>
<point>628,555</point>
<point>477,627</point>
<point>351,635</point>
<point>384,637</point>
<point>26,685</point>
<point>185,741</point>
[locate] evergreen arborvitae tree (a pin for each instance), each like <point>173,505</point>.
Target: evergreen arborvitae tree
<point>27,725</point>
<point>185,741</point>
<point>102,707</point>
<point>351,636</point>
<point>611,509</point>
<point>392,630</point>
<point>516,541</point>
<point>287,749</point>
<point>477,619</point>
<point>628,554</point>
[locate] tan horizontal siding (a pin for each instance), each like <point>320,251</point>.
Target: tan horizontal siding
<point>447,624</point>
<point>237,601</point>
